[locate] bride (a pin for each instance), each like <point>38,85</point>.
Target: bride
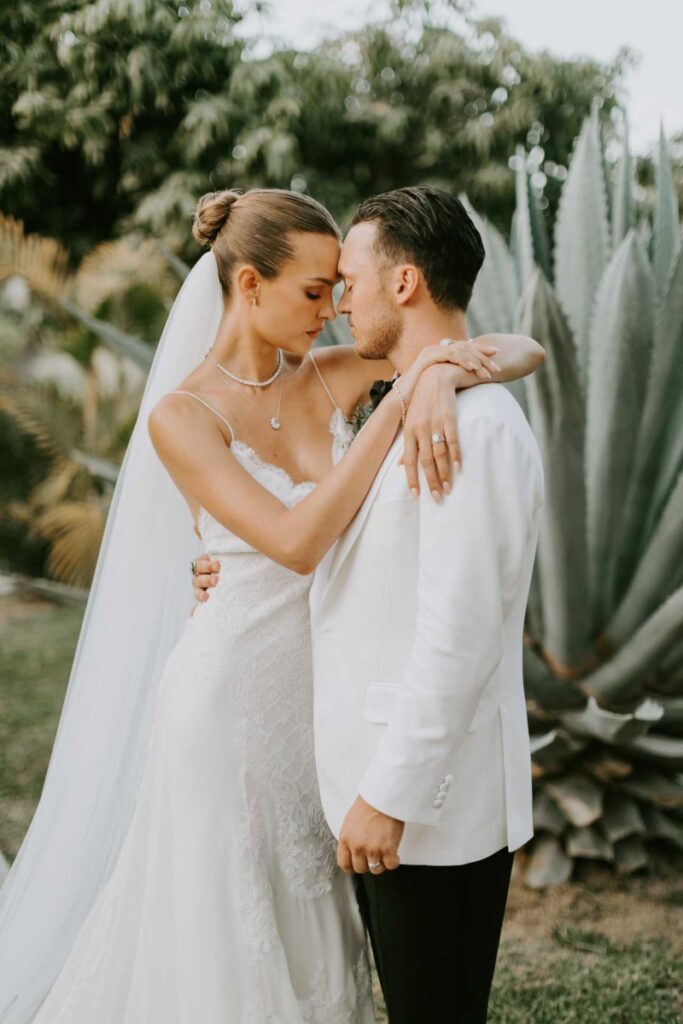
<point>179,868</point>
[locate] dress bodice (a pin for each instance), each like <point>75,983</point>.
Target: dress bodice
<point>217,538</point>
<point>221,541</point>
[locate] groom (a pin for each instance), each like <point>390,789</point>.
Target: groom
<point>422,744</point>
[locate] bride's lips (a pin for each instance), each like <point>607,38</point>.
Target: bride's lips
<point>315,333</point>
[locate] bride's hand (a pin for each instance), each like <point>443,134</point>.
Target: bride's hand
<point>430,387</point>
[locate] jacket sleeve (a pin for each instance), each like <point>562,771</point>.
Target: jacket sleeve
<point>472,551</point>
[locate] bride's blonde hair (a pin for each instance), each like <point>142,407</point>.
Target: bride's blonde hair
<point>255,227</point>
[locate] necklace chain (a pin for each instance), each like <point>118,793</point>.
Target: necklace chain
<point>250,383</point>
<point>275,420</point>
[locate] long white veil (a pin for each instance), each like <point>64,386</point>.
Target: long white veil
<point>139,601</point>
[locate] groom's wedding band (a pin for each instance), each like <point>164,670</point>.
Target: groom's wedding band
<point>193,566</point>
<point>375,864</point>
<point>438,439</point>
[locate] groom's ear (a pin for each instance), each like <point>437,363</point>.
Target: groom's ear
<point>407,279</point>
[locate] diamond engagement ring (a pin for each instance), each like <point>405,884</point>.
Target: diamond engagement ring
<point>438,439</point>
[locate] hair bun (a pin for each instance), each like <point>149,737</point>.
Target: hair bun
<point>211,213</point>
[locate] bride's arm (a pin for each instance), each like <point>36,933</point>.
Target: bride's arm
<point>195,454</point>
<point>515,356</point>
<point>432,409</point>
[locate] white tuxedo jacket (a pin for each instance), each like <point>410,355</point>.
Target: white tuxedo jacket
<point>417,619</point>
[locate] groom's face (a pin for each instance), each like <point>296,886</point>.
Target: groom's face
<point>374,317</point>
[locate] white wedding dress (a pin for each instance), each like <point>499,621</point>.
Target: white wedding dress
<point>225,905</point>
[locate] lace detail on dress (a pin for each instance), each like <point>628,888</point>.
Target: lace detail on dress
<point>343,434</point>
<point>271,692</point>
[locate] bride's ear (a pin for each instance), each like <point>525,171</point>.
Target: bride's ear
<point>248,283</point>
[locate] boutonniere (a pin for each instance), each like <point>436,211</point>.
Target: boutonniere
<point>379,390</point>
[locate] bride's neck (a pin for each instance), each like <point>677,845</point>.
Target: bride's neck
<point>242,351</point>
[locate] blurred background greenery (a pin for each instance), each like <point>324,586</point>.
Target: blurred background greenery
<point>115,115</point>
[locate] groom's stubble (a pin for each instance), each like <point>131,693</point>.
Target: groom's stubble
<point>382,330</point>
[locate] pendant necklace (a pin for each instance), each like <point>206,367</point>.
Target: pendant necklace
<point>275,420</point>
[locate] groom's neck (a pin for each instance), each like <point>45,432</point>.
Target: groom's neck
<point>423,328</point>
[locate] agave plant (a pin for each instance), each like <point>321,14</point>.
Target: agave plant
<point>604,645</point>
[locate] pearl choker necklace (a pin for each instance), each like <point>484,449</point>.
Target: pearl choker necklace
<point>250,383</point>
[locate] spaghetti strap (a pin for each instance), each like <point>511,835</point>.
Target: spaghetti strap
<point>322,380</point>
<point>210,407</point>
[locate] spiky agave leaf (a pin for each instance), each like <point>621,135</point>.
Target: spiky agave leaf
<point>620,341</point>
<point>658,572</point>
<point>659,451</point>
<point>493,306</point>
<point>667,239</point>
<point>582,243</point>
<point>531,244</point>
<point>623,207</point>
<point>523,236</point>
<point>119,341</point>
<point>556,414</point>
<point>622,677</point>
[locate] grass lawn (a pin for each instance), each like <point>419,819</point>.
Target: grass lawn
<point>609,951</point>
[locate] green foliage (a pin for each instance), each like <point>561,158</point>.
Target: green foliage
<point>604,661</point>
<point>101,100</point>
<point>120,113</point>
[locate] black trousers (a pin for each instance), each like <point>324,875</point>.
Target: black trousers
<point>435,934</point>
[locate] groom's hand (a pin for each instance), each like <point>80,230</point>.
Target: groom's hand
<point>205,577</point>
<point>368,837</point>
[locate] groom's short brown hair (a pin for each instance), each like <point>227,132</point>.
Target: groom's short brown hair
<point>432,229</point>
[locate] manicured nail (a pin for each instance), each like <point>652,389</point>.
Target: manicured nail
<point>414,491</point>
<point>495,366</point>
<point>447,487</point>
<point>436,495</point>
<point>488,375</point>
<point>456,466</point>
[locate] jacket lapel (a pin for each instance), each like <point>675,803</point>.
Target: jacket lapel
<point>337,556</point>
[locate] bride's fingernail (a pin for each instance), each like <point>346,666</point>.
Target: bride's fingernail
<point>456,466</point>
<point>447,487</point>
<point>414,491</point>
<point>436,495</point>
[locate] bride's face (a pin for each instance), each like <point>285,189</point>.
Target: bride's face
<point>294,307</point>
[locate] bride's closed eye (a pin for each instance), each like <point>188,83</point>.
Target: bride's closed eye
<point>312,295</point>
